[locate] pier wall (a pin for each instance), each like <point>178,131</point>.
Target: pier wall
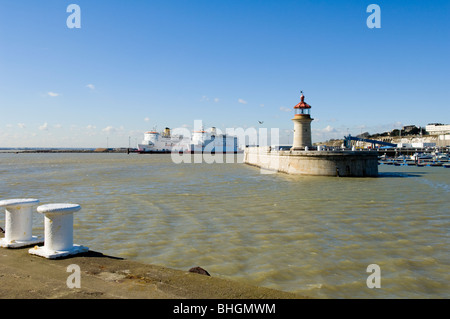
<point>316,163</point>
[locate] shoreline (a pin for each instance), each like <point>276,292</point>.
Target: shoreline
<point>25,276</point>
<point>81,150</point>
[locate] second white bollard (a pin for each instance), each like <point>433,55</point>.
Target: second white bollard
<point>58,226</point>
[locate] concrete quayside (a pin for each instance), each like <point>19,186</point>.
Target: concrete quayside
<point>26,276</point>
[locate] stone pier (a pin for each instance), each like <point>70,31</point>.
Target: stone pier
<point>315,163</point>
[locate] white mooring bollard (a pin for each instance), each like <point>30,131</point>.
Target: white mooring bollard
<point>58,225</point>
<point>19,223</point>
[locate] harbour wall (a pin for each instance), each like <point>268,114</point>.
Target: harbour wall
<point>315,163</point>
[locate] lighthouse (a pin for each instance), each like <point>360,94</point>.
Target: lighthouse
<point>314,163</point>
<point>302,125</point>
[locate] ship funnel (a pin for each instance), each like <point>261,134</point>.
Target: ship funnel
<point>167,132</point>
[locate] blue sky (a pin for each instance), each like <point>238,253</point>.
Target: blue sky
<point>134,65</point>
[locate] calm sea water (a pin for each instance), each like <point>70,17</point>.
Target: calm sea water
<point>310,235</point>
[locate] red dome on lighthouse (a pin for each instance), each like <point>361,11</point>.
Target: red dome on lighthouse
<point>302,104</point>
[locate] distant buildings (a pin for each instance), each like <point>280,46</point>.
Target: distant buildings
<point>441,132</point>
<point>434,134</point>
<point>438,129</point>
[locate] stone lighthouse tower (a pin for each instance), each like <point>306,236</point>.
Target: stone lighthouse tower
<point>302,125</point>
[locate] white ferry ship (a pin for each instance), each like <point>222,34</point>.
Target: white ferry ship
<point>200,142</point>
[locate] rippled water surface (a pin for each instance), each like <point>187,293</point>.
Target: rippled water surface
<point>311,235</point>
